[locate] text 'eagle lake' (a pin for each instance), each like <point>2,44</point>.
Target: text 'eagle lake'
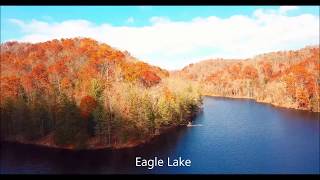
<point>151,163</point>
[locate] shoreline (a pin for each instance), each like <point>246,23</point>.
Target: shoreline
<point>46,142</point>
<point>123,146</point>
<point>260,101</point>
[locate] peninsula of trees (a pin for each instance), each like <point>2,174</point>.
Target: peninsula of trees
<point>81,94</point>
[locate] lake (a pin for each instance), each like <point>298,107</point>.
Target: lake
<point>231,136</point>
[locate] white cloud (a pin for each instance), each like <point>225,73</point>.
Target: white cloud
<point>130,20</point>
<point>174,44</point>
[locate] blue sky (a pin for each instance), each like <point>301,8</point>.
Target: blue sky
<point>118,15</point>
<point>29,23</point>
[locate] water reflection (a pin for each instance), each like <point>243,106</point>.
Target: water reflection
<point>14,157</point>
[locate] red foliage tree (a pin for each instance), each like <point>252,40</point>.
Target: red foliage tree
<point>87,105</point>
<point>250,72</point>
<point>267,70</point>
<point>10,86</point>
<point>149,78</point>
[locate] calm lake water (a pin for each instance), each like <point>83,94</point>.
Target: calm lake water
<point>234,136</point>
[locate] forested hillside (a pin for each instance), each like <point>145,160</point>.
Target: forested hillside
<point>287,79</point>
<point>78,93</point>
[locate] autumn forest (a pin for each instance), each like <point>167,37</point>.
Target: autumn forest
<point>78,93</point>
<point>81,94</point>
<point>287,79</point>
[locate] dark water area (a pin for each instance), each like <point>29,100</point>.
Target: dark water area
<point>231,136</point>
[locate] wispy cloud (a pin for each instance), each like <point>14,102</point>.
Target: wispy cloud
<point>17,22</point>
<point>285,9</point>
<point>145,7</point>
<point>174,44</point>
<point>47,18</point>
<point>130,20</point>
<point>159,19</point>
